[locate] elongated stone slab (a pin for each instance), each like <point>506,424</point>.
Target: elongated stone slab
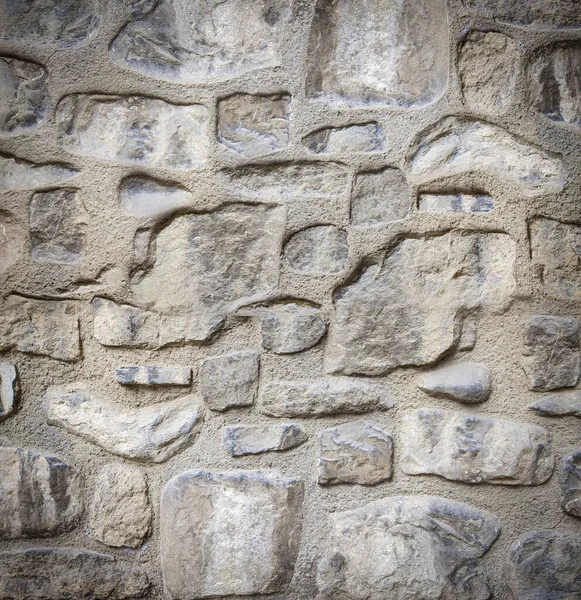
<point>465,382</point>
<point>136,375</point>
<point>144,198</point>
<point>9,390</point>
<point>134,130</point>
<point>412,547</point>
<point>559,404</point>
<point>68,574</point>
<point>17,174</point>
<point>241,440</point>
<point>153,433</point>
<point>241,529</point>
<point>40,496</point>
<point>570,480</point>
<point>12,240</point>
<point>367,138</point>
<point>475,449</point>
<point>455,203</point>
<point>320,250</point>
<point>320,398</point>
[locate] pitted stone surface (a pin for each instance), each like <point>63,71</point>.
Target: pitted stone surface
<point>356,452</point>
<point>120,513</point>
<point>12,240</point>
<point>40,495</point>
<point>241,440</point>
<point>204,40</point>
<point>552,352</point>
<point>559,404</point>
<point>134,130</point>
<point>160,375</point>
<point>455,203</point>
<point>17,174</point>
<point>367,138</point>
<point>254,126</point>
<point>466,382</point>
<point>241,529</point>
<point>408,305</point>
<point>68,574</point>
<point>378,52</point>
<point>321,250</point>
<point>407,548</point>
<point>152,433</point>
<point>9,389</point>
<point>475,449</point>
<point>144,198</point>
<point>570,480</point>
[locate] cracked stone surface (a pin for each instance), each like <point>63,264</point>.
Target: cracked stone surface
<point>241,440</point>
<point>9,389</point>
<point>145,198</point>
<point>367,138</point>
<point>321,250</point>
<point>570,480</point>
<point>467,382</point>
<point>17,174</point>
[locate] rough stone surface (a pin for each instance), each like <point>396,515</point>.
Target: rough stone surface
<point>9,390</point>
<point>17,174</point>
<point>552,354</point>
<point>457,146</point>
<point>455,203</point>
<point>58,223</point>
<point>143,197</point>
<point>560,404</point>
<point>379,52</point>
<point>408,305</point>
<point>134,130</point>
<point>367,138</point>
<point>407,547</point>
<point>68,574</point>
<point>356,452</point>
<point>203,41</point>
<point>546,564</point>
<point>570,480</point>
<point>380,197</point>
<point>229,381</point>
<point>40,495</point>
<point>255,439</point>
<point>466,382</point>
<point>241,529</point>
<point>475,449</point>
<point>12,240</point>
<point>161,375</point>
<point>320,398</point>
<point>321,250</point>
<point>254,126</point>
<point>120,513</point>
<point>150,434</point>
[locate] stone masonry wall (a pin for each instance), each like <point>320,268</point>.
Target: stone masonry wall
<point>290,299</point>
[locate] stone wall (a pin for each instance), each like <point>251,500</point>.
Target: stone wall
<point>289,299</point>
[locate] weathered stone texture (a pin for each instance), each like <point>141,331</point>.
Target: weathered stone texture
<point>143,197</point>
<point>455,203</point>
<point>162,375</point>
<point>552,352</point>
<point>40,495</point>
<point>560,404</point>
<point>570,480</point>
<point>134,130</point>
<point>153,433</point>
<point>367,138</point>
<point>475,449</point>
<point>255,439</point>
<point>9,390</point>
<point>321,250</point>
<point>241,530</point>
<point>12,240</point>
<point>466,382</point>
<point>356,452</point>
<point>407,548</point>
<point>120,513</point>
<point>17,174</point>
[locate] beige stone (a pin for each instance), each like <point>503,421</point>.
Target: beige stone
<point>144,198</point>
<point>17,174</point>
<point>321,250</point>
<point>241,440</point>
<point>158,375</point>
<point>455,203</point>
<point>467,382</point>
<point>12,240</point>
<point>9,390</point>
<point>368,138</point>
<point>559,404</point>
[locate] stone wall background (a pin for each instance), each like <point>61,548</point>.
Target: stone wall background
<point>108,261</point>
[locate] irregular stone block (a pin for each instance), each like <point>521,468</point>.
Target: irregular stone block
<point>560,404</point>
<point>241,529</point>
<point>255,439</point>
<point>40,496</point>
<point>552,352</point>
<point>488,65</point>
<point>545,564</point>
<point>208,265</point>
<point>455,203</point>
<point>570,480</point>
<point>460,146</point>
<point>467,382</point>
<point>55,23</point>
<point>134,130</point>
<point>230,380</point>
<point>12,240</point>
<point>135,375</point>
<point>23,102</point>
<point>408,306</point>
<point>555,252</point>
<point>151,434</point>
<point>321,250</point>
<point>412,547</point>
<point>9,390</point>
<point>17,174</point>
<point>353,138</point>
<point>203,41</point>
<point>469,335</point>
<point>120,514</point>
<point>356,452</point>
<point>320,398</point>
<point>143,197</point>
<point>380,197</point>
<point>68,574</point>
<point>254,126</point>
<point>379,52</point>
<point>58,224</point>
<point>475,449</point>
<point>45,327</point>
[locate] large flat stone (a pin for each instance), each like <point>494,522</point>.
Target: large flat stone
<point>364,52</point>
<point>467,382</point>
<point>9,390</point>
<point>367,138</point>
<point>134,130</point>
<point>152,433</point>
<point>407,307</point>
<point>241,440</point>
<point>40,496</point>
<point>475,449</point>
<point>68,574</point>
<point>241,530</point>
<point>570,480</point>
<point>407,548</point>
<point>144,197</point>
<point>17,174</point>
<point>320,250</point>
